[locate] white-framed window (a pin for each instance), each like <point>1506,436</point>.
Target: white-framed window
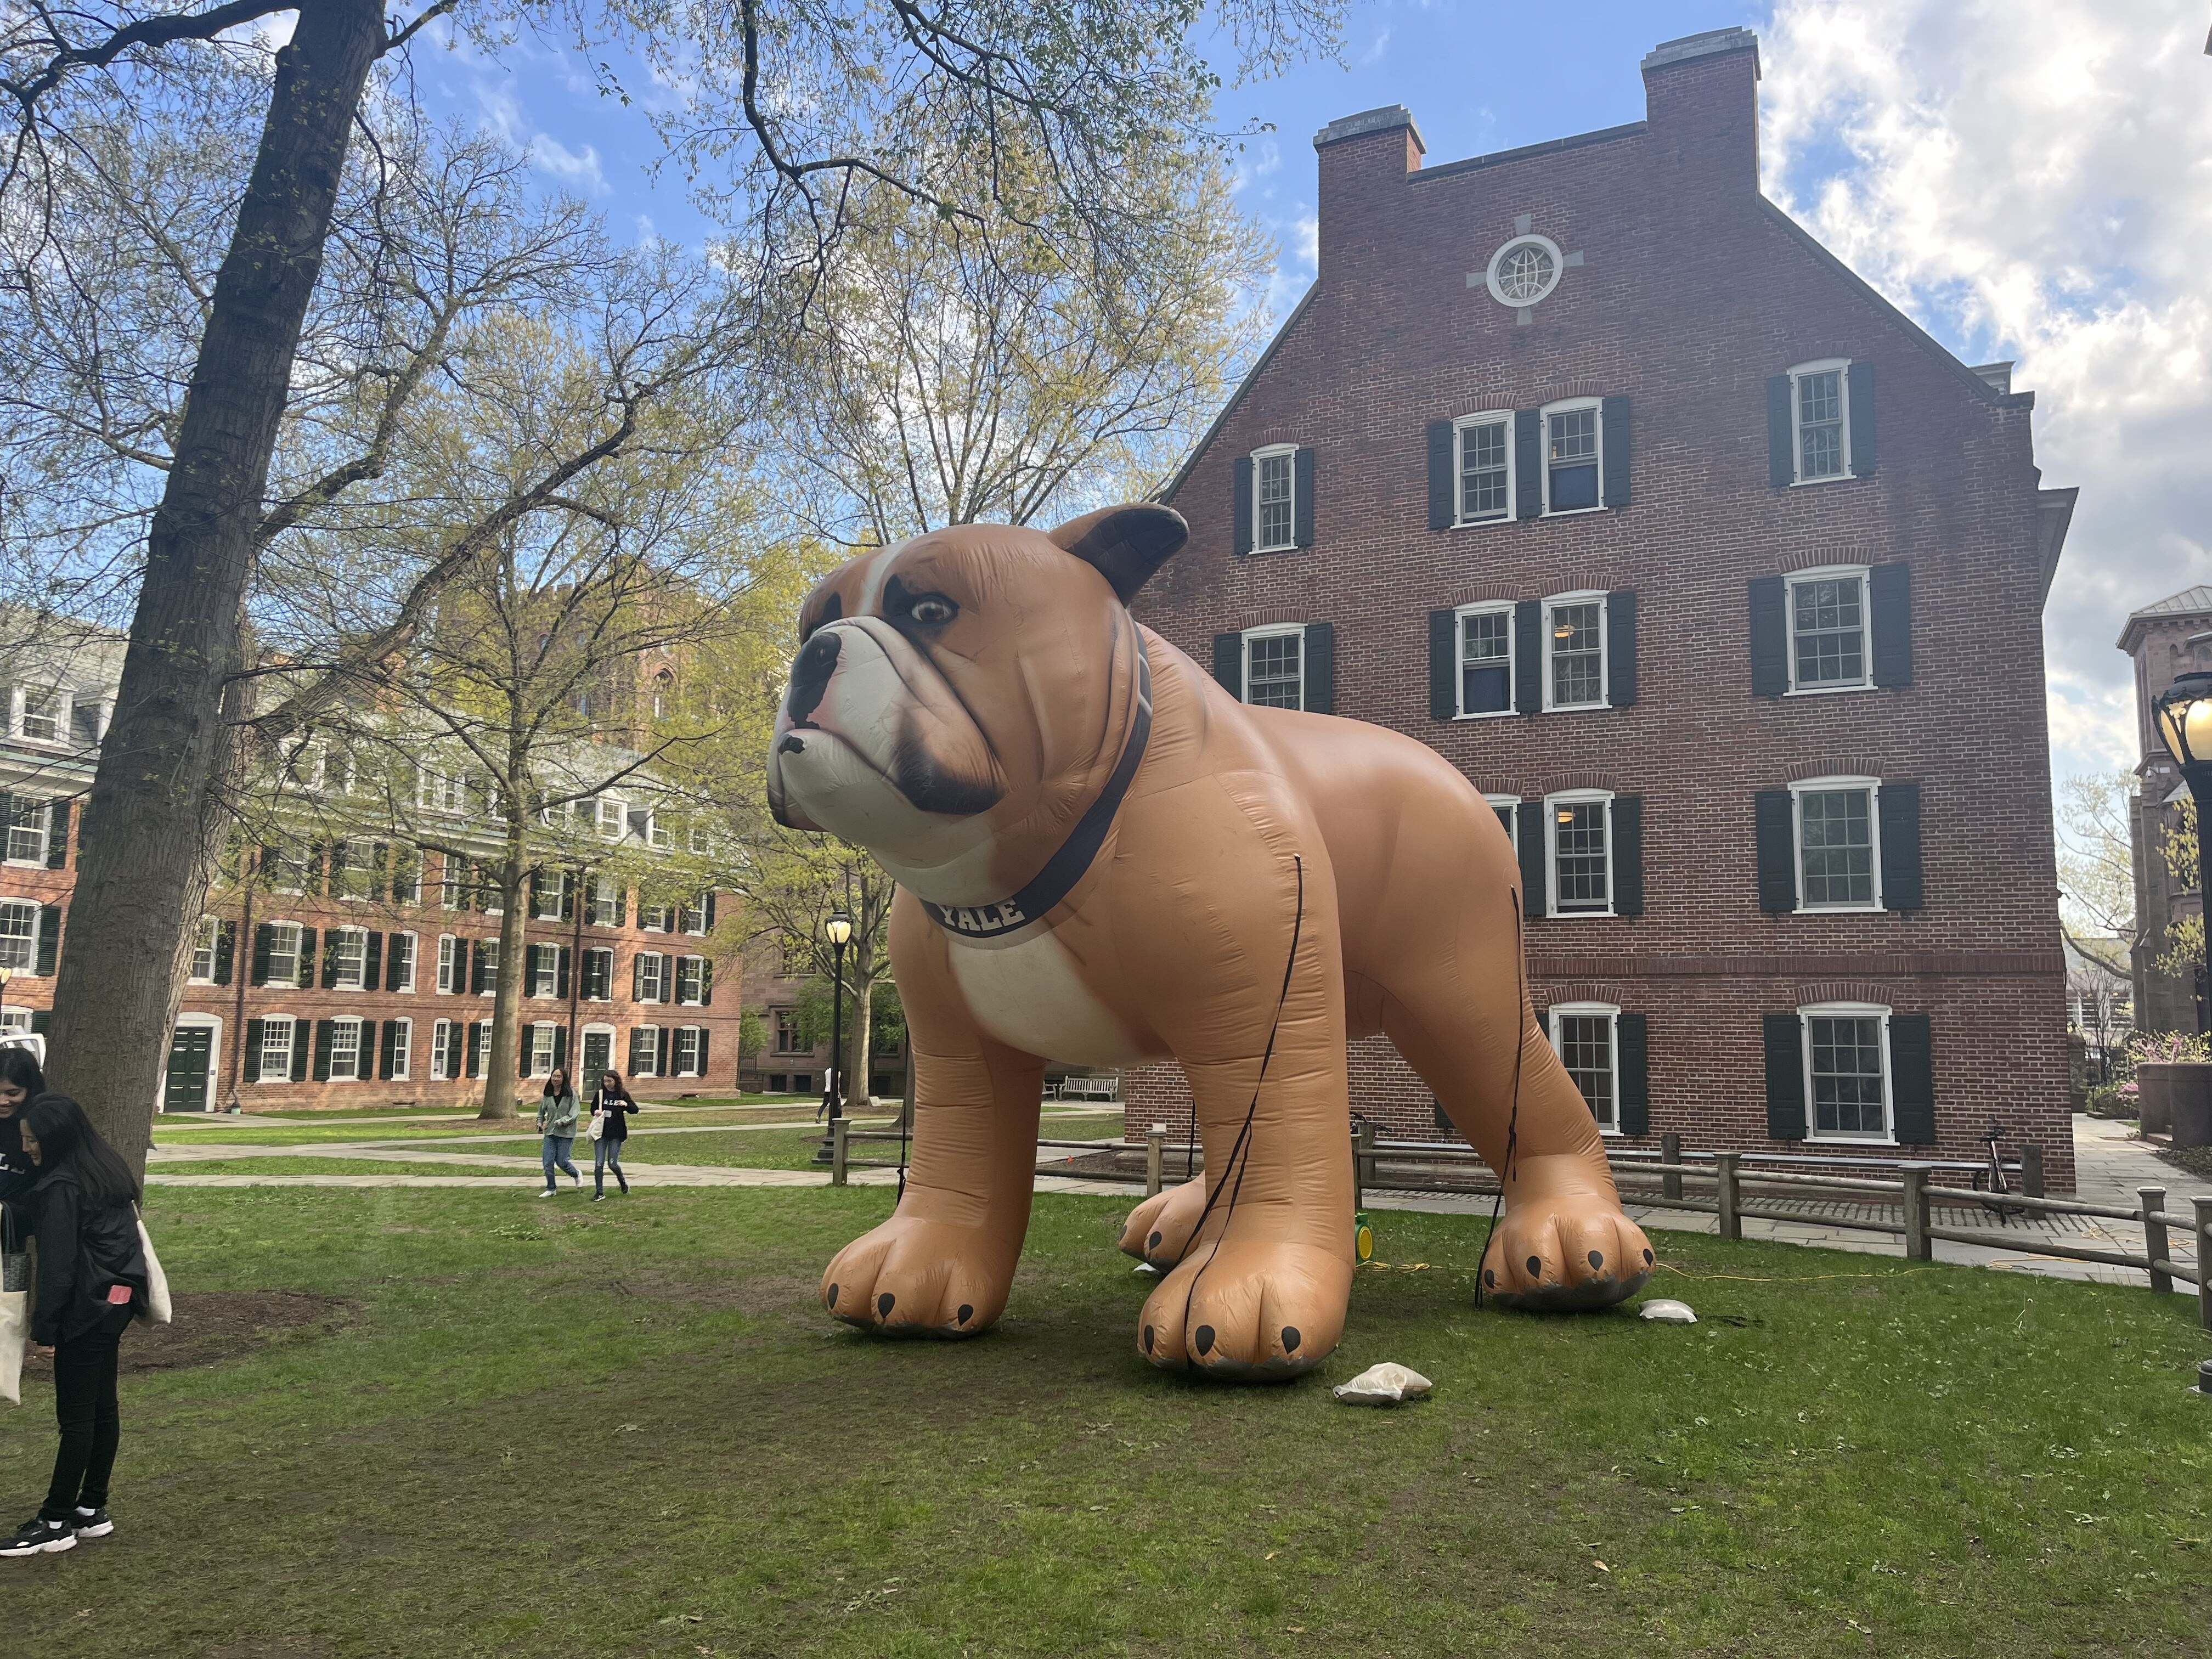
<point>1575,675</point>
<point>552,893</point>
<point>788,1038</point>
<point>15,1019</point>
<point>285,865</point>
<point>664,694</point>
<point>1486,685</point>
<point>701,839</point>
<point>693,916</point>
<point>26,830</point>
<point>353,870</point>
<point>1274,498</point>
<point>1507,808</point>
<point>278,1032</point>
<point>645,1051</point>
<point>1578,844</point>
<point>203,939</point>
<point>652,976</point>
<point>449,964</point>
<point>598,974</point>
<point>541,1049</point>
<point>1483,444</point>
<point>348,1051</point>
<point>303,766</point>
<point>544,970</point>
<point>685,1061</point>
<point>483,1067</point>
<point>442,1058</point>
<point>1847,1073</point>
<point>349,949</point>
<point>1584,1034</point>
<point>1831,630</point>
<point>39,712</point>
<point>490,950</point>
<point>612,817</point>
<point>1820,420</point>
<point>400,1038</point>
<point>606,903</point>
<point>1838,835</point>
<point>283,953</point>
<point>406,876</point>
<point>400,976</point>
<point>651,918</point>
<point>19,935</point>
<point>442,792</point>
<point>1275,665</point>
<point>1574,455</point>
<point>690,980</point>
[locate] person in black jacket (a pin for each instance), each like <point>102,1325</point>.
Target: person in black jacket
<point>612,1105</point>
<point>92,1273</point>
<point>20,1082</point>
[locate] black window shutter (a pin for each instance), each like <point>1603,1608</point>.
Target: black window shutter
<point>1628,855</point>
<point>622,905</point>
<point>1613,423</point>
<point>1912,1079</point>
<point>1785,1077</point>
<point>1528,655</point>
<point>1860,377</point>
<point>42,1021</point>
<point>395,948</point>
<point>57,827</point>
<point>637,977</point>
<point>6,810</point>
<point>1302,498</point>
<point>263,941</point>
<point>1769,636</point>
<point>1621,646</point>
<point>1321,668</point>
<point>522,1048</point>
<point>1632,1035</point>
<point>383,862</point>
<point>537,892</point>
<point>1775,822</point>
<point>249,1066</point>
<point>1781,447</point>
<point>306,979</point>
<point>1443,665</point>
<point>1228,663</point>
<point>226,950</point>
<point>324,1029</point>
<point>50,940</point>
<point>301,1047</point>
<point>703,1035</point>
<point>568,885</point>
<point>372,963</point>
<point>329,957</point>
<point>561,971</point>
<point>385,1033</point>
<point>1529,838</point>
<point>1443,492</point>
<point>710,909</point>
<point>1242,516</point>
<point>561,1048</point>
<point>1890,605</point>
<point>477,955</point>
<point>664,1054</point>
<point>475,1048</point>
<point>1529,462</point>
<point>706,981</point>
<point>1898,806</point>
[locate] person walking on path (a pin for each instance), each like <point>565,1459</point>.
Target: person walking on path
<point>557,1122</point>
<point>611,1106</point>
<point>91,1275</point>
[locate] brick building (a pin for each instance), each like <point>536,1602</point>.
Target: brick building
<point>355,973</point>
<point>2166,641</point>
<point>774,978</point>
<point>1717,576</point>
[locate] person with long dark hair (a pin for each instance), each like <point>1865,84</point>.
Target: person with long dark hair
<point>557,1122</point>
<point>92,1275</point>
<point>611,1106</point>
<point>22,1082</point>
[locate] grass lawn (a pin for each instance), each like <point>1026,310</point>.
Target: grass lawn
<point>349,1166</point>
<point>413,1422</point>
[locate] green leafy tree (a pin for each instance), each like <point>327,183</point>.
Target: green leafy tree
<point>2184,957</point>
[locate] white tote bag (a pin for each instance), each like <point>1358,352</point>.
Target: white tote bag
<point>157,1282</point>
<point>15,1323</point>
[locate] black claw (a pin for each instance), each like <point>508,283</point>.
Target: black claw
<point>1290,1338</point>
<point>1205,1338</point>
<point>1596,1261</point>
<point>1490,1277</point>
<point>1148,1338</point>
<point>833,1296</point>
<point>883,1306</point>
<point>1153,1242</point>
<point>967,1312</point>
<point>1535,1267</point>
<point>1647,1258</point>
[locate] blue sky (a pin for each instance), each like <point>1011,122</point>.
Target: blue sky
<point>2004,170</point>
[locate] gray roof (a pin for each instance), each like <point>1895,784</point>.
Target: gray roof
<point>2189,600</point>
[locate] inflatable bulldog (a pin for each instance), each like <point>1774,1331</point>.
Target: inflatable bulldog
<point>1104,858</point>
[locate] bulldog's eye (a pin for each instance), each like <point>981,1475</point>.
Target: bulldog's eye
<point>932,610</point>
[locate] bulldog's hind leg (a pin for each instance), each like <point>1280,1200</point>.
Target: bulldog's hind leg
<point>1159,1230</point>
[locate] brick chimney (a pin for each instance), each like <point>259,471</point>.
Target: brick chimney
<point>1701,99</point>
<point>1364,160</point>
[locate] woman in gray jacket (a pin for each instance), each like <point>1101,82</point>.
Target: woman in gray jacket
<point>557,1122</point>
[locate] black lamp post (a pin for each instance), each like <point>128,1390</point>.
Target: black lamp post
<point>2183,716</point>
<point>839,931</point>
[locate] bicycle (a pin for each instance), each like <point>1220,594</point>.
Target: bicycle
<point>1998,1186</point>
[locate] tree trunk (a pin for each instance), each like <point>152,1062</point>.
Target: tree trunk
<point>141,875</point>
<point>505,1062</point>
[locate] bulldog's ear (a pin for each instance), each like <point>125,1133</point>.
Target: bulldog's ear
<point>1127,543</point>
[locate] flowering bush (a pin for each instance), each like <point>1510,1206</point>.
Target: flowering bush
<point>2160,1047</point>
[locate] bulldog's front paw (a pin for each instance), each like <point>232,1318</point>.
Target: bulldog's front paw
<point>1248,1311</point>
<point>911,1276</point>
<point>1159,1229</point>
<point>1564,1254</point>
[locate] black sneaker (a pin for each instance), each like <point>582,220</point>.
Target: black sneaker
<point>39,1536</point>
<point>91,1523</point>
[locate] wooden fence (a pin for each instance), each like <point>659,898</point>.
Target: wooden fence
<point>1740,1186</point>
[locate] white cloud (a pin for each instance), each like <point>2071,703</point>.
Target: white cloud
<point>501,111</point>
<point>1376,48</point>
<point>2033,179</point>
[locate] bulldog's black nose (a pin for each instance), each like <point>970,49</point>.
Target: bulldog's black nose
<point>810,675</point>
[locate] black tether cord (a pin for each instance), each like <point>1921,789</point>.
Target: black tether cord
<point>1513,1118</point>
<point>1239,1160</point>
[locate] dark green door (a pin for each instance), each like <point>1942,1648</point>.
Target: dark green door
<point>599,1047</point>
<point>190,1052</point>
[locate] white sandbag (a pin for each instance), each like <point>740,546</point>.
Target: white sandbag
<point>1668,1311</point>
<point>1386,1384</point>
